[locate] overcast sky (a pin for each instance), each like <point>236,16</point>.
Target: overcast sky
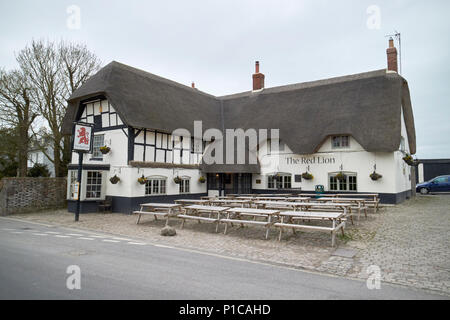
<point>215,44</point>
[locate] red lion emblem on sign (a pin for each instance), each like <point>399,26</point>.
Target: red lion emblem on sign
<point>82,134</point>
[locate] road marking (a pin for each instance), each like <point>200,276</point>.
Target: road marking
<point>137,243</point>
<point>40,234</point>
<point>107,240</point>
<point>163,246</point>
<point>52,232</point>
<point>17,232</point>
<point>98,236</point>
<point>61,236</point>
<point>123,239</point>
<point>75,234</point>
<point>8,229</point>
<point>83,238</point>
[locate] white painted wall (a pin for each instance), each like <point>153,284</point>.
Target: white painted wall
<point>130,187</point>
<point>327,160</point>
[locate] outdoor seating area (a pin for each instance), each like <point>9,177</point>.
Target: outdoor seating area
<point>294,211</point>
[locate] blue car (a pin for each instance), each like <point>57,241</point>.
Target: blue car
<point>438,184</point>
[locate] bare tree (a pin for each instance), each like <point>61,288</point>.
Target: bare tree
<point>56,71</point>
<point>16,112</point>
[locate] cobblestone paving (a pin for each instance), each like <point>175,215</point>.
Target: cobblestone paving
<point>411,246</point>
<point>409,242</point>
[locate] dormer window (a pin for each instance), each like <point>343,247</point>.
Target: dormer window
<point>340,142</point>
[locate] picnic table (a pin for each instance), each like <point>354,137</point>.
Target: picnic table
<point>359,202</point>
<point>245,198</point>
<point>288,219</point>
<point>300,199</point>
<point>158,209</point>
<point>278,204</point>
<point>242,203</point>
<point>234,215</point>
<point>192,201</point>
<point>344,207</point>
<point>196,212</point>
<point>270,198</point>
<point>374,198</point>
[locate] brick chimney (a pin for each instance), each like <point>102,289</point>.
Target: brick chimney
<point>193,85</point>
<point>392,64</point>
<point>258,78</point>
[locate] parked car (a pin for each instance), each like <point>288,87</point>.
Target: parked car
<point>438,184</point>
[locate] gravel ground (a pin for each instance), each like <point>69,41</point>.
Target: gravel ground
<point>409,242</point>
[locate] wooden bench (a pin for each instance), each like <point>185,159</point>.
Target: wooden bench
<point>165,210</point>
<point>234,216</point>
<point>195,212</point>
<point>337,219</point>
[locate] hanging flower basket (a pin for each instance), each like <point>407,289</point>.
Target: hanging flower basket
<point>105,149</point>
<point>114,179</point>
<point>375,176</point>
<point>307,176</point>
<point>341,176</point>
<point>177,180</point>
<point>410,160</point>
<point>202,179</point>
<point>142,180</point>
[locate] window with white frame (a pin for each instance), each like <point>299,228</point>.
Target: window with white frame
<point>280,181</point>
<point>185,185</point>
<point>98,142</point>
<point>155,185</point>
<point>340,142</point>
<point>73,184</point>
<point>347,184</point>
<point>94,185</point>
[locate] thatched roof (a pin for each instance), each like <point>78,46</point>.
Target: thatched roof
<point>367,106</point>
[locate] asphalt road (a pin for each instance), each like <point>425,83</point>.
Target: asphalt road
<point>34,260</point>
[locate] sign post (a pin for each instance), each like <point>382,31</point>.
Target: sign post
<point>82,143</point>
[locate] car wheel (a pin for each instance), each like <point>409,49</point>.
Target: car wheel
<point>424,191</point>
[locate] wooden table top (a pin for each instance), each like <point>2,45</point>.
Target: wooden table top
<point>208,208</point>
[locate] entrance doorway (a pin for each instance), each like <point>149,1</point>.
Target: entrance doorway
<point>230,183</point>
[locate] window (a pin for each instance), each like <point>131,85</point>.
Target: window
<point>340,142</point>
<point>282,181</point>
<point>97,143</point>
<point>155,186</point>
<point>73,183</point>
<point>94,185</point>
<point>185,185</point>
<point>349,184</point>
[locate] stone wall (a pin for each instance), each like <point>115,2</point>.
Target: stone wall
<point>18,195</point>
